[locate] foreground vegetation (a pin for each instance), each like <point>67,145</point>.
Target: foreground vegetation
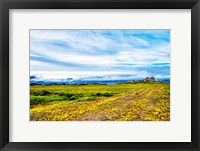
<point>119,102</point>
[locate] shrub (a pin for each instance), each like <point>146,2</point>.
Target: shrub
<point>44,99</point>
<point>106,94</point>
<point>67,95</point>
<point>73,98</point>
<point>40,93</point>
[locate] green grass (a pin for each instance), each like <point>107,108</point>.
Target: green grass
<point>44,99</point>
<point>76,93</point>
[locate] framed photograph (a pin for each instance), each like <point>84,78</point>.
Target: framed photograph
<point>99,75</point>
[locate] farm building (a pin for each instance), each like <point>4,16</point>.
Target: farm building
<point>133,82</point>
<point>149,79</point>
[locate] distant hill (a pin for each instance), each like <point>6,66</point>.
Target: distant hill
<point>164,80</point>
<point>70,81</point>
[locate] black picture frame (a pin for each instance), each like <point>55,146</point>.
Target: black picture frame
<point>5,5</point>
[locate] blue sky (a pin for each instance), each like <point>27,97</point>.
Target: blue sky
<point>100,54</point>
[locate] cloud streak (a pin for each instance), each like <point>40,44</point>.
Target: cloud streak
<point>85,52</point>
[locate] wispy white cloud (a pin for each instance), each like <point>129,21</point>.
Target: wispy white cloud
<point>100,51</point>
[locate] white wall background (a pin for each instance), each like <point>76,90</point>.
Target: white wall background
<point>176,130</point>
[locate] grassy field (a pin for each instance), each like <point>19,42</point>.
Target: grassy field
<point>119,102</point>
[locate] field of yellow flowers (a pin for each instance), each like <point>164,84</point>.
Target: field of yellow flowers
<point>118,102</point>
